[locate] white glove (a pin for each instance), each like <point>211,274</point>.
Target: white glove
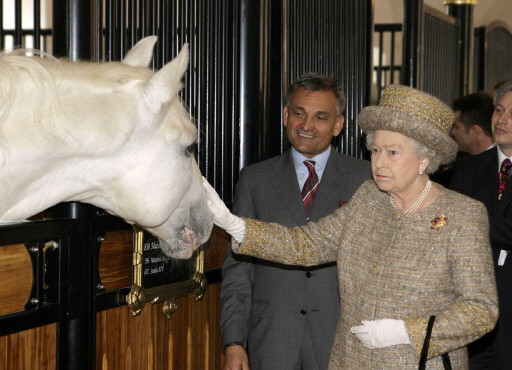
<point>222,217</point>
<point>382,333</point>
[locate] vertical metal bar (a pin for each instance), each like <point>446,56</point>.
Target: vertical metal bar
<point>412,43</point>
<point>109,30</point>
<point>152,28</point>
<point>277,75</point>
<point>163,35</point>
<point>116,36</point>
<point>142,19</point>
<point>121,29</point>
<point>379,67</point>
<point>132,23</point>
<point>2,31</point>
<point>72,29</point>
<point>76,339</point>
<point>392,60</point>
<point>356,59</point>
<point>18,38</point>
<point>464,13</point>
<point>479,66</point>
<point>97,30</point>
<point>249,82</point>
<point>36,32</point>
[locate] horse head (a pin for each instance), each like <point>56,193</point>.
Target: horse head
<point>115,135</point>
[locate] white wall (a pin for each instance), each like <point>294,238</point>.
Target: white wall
<point>485,12</point>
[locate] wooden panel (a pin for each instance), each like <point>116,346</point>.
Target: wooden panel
<point>115,259</point>
<point>190,340</point>
<point>16,277</point>
<point>115,256</point>
<point>29,349</point>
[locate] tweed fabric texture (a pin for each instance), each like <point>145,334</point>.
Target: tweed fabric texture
<point>399,266</point>
<point>413,113</point>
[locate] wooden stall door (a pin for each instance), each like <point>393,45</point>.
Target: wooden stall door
<point>190,340</point>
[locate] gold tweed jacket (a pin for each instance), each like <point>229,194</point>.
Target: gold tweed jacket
<point>400,266</point>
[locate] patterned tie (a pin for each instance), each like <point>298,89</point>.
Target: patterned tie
<point>310,187</point>
<point>503,177</point>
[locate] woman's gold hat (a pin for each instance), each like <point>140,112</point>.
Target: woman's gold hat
<point>413,113</point>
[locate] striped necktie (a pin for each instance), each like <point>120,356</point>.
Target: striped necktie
<point>503,177</point>
<point>310,188</point>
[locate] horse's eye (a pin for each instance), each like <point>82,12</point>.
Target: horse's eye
<point>190,150</point>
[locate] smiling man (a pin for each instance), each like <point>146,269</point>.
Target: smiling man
<point>276,316</point>
<point>484,177</point>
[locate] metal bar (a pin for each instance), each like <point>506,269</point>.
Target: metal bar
<point>379,66</point>
<point>37,24</point>
<point>412,36</point>
<point>77,333</point>
<point>109,31</point>
<point>249,82</point>
<point>392,59</point>
<point>464,13</point>
<point>356,59</point>
<point>18,39</point>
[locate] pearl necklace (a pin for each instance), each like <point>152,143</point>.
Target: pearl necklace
<point>418,202</point>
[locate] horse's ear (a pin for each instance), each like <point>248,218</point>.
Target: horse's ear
<point>141,53</point>
<point>166,83</point>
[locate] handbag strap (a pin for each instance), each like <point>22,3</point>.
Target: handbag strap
<point>424,350</point>
<point>426,343</point>
<point>446,361</point>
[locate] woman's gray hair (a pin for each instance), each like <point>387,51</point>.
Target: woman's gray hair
<point>421,150</point>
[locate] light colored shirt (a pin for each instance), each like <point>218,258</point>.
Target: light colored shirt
<point>301,169</point>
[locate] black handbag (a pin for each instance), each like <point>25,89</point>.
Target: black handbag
<point>424,351</point>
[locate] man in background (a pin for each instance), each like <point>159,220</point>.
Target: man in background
<point>471,130</point>
<point>472,127</point>
<point>284,317</point>
<point>485,177</point>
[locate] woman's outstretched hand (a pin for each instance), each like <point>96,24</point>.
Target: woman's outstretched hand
<point>222,217</point>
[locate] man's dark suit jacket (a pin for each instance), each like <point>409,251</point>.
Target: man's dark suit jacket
<point>477,176</point>
<point>266,306</point>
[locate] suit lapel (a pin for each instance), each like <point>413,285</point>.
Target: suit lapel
<point>286,185</point>
<point>489,171</point>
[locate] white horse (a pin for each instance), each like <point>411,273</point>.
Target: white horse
<point>114,135</point>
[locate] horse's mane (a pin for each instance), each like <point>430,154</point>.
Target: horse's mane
<point>23,78</point>
<point>30,81</point>
<point>34,86</point>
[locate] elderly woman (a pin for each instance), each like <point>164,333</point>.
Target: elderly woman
<point>408,250</point>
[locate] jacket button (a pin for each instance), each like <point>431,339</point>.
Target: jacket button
<point>303,312</point>
<point>308,274</point>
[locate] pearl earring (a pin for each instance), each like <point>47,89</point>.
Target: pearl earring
<point>421,173</point>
